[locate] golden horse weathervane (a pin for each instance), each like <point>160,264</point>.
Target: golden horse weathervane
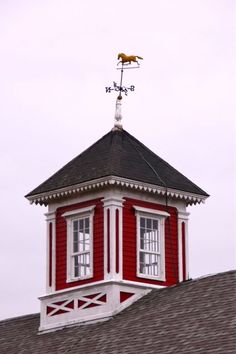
<point>128,59</point>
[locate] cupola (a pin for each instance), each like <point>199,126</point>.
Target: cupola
<point>117,227</point>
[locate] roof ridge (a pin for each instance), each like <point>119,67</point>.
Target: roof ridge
<point>162,160</point>
<point>146,161</point>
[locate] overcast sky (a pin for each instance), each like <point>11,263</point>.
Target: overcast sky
<point>56,57</point>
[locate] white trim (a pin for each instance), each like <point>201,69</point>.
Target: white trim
<point>107,297</point>
<point>112,204</point>
<point>70,216</point>
<point>160,217</point>
<point>180,250</point>
<point>145,285</point>
<point>51,218</point>
<point>183,217</point>
<point>117,192</point>
<point>121,242</point>
<point>103,282</point>
<point>113,201</point>
<point>50,215</point>
<point>73,213</point>
<point>47,197</point>
<point>150,211</point>
<point>186,250</point>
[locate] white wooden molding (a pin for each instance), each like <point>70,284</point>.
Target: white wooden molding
<point>51,219</point>
<point>48,197</point>
<point>111,206</point>
<point>87,305</point>
<point>75,212</point>
<point>150,211</point>
<point>183,217</point>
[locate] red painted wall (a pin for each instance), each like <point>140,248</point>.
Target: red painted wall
<point>130,246</point>
<point>98,250</point>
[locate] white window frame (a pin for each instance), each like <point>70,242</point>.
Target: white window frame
<point>70,217</point>
<point>160,216</point>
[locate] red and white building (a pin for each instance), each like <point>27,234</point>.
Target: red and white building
<point>117,227</point>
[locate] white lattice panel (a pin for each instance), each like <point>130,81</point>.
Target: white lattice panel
<point>92,304</point>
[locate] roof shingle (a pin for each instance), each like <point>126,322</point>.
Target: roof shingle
<point>197,316</point>
<point>118,154</point>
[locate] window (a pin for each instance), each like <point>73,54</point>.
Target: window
<point>150,243</point>
<point>81,248</point>
<point>79,243</point>
<point>149,247</point>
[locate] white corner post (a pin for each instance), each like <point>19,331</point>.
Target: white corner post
<point>51,252</point>
<point>183,251</point>
<point>113,238</point>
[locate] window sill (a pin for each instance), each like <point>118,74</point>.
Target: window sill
<point>71,280</point>
<point>151,277</point>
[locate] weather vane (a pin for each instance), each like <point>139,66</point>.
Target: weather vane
<point>126,63</point>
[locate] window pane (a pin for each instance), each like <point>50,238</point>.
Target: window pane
<point>141,263</point>
<point>155,225</point>
<point>75,225</point>
<point>87,223</point>
<point>75,236</point>
<point>76,266</point>
<point>142,222</point>
<point>81,242</point>
<point>81,224</point>
<point>149,263</point>
<point>86,242</point>
<point>149,223</point>
<point>75,246</point>
<point>82,265</point>
<point>149,237</point>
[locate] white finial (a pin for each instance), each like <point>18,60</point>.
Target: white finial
<point>118,115</point>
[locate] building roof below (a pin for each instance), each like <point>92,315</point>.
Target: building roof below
<point>197,316</point>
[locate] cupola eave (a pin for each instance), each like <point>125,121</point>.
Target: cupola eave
<point>109,181</point>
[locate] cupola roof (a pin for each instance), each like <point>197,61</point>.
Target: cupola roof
<point>118,154</point>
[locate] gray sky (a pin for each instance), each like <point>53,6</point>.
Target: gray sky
<point>56,57</point>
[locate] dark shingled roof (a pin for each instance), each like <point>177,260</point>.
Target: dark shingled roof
<point>197,316</point>
<point>118,154</point>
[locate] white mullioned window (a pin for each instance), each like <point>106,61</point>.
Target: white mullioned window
<point>81,249</point>
<point>79,243</point>
<point>150,243</point>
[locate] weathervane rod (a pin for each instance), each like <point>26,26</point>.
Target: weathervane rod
<point>121,79</point>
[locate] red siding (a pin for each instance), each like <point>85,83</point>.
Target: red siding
<point>98,250</point>
<point>130,246</point>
